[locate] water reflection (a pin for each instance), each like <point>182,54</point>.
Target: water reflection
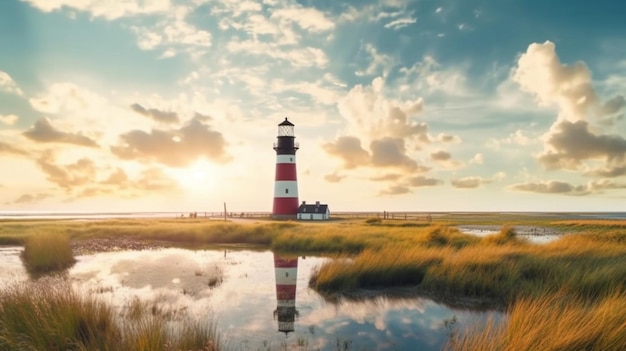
<point>261,300</point>
<point>286,273</point>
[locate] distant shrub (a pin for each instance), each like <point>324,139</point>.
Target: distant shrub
<point>507,234</point>
<point>47,252</point>
<point>373,220</point>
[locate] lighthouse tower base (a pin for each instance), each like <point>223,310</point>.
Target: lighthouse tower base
<point>284,216</point>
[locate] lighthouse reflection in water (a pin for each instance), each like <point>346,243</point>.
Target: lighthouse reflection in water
<point>286,272</point>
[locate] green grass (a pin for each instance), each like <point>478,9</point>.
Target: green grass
<point>50,315</point>
<point>47,251</point>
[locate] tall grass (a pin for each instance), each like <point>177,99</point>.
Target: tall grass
<point>45,252</point>
<point>557,321</point>
<point>500,268</point>
<point>50,315</point>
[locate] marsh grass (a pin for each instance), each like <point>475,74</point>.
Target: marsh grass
<point>556,321</point>
<point>501,268</point>
<point>46,252</point>
<point>50,315</point>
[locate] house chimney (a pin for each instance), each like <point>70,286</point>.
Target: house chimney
<point>317,203</point>
<point>304,202</point>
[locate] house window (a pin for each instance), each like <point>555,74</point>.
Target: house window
<point>286,191</point>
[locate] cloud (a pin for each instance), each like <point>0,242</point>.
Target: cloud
<point>469,182</point>
<point>155,179</point>
<point>478,159</point>
<point>31,198</point>
<point>348,148</point>
<point>333,177</point>
<point>109,9</point>
<point>440,155</point>
<point>401,23</point>
<point>379,64</point>
<point>430,76</point>
<point>307,18</point>
<point>396,190</point>
<point>607,172</point>
<point>8,85</point>
<point>563,188</point>
<point>540,72</point>
<point>387,177</point>
<point>569,143</point>
<point>373,115</point>
<point>8,119</point>
<point>572,139</point>
<point>176,147</point>
<point>447,138</point>
<point>67,176</point>
<point>421,181</point>
<point>9,149</point>
<point>157,115</point>
<point>390,152</point>
<point>65,97</point>
<point>43,131</point>
<point>299,57</point>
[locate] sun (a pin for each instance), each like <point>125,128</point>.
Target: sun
<point>200,176</point>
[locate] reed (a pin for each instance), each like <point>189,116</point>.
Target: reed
<point>50,315</point>
<point>47,251</point>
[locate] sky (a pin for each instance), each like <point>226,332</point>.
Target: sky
<point>398,105</point>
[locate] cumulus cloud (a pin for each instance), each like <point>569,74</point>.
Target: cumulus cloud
<point>174,148</point>
<point>67,176</point>
<point>349,150</point>
<point>390,152</point>
<point>569,143</point>
<point>8,85</point>
<point>373,115</point>
<point>572,140</point>
<point>156,114</point>
<point>447,138</point>
<point>44,132</point>
<point>8,119</point>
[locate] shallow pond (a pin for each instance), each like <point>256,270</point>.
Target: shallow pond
<point>260,300</point>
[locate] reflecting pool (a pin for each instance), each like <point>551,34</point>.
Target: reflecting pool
<point>260,300</point>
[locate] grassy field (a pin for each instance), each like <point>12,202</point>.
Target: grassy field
<point>583,272</point>
<point>49,315</point>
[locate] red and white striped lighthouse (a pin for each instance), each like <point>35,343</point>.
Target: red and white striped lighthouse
<point>286,180</point>
<point>286,270</point>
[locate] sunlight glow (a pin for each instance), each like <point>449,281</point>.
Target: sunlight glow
<point>199,177</point>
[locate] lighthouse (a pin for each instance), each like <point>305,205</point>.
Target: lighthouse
<point>286,180</point>
<point>286,271</point>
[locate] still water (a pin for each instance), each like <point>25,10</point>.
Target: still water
<point>260,300</point>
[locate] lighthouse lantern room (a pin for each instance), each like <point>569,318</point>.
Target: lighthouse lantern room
<point>286,181</point>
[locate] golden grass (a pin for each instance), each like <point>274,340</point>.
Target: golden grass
<point>47,251</point>
<point>50,315</point>
<point>558,321</point>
